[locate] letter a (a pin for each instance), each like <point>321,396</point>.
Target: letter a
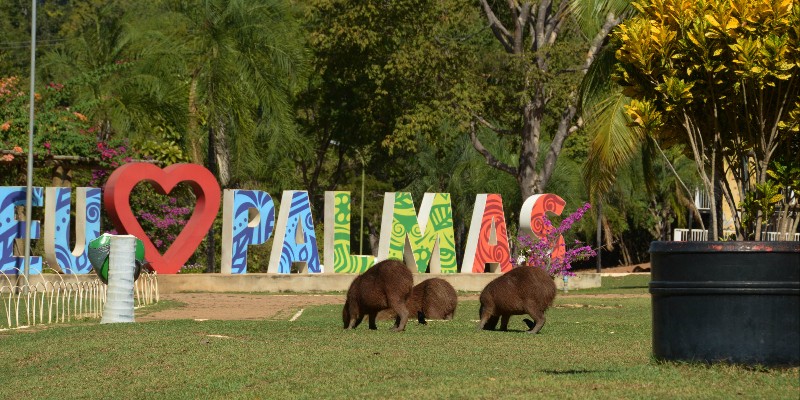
<point>487,241</point>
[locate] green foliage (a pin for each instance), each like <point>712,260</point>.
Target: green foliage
<point>392,71</point>
<point>767,196</point>
<point>58,130</point>
<point>721,77</point>
<point>243,61</point>
<point>168,149</point>
<point>122,79</point>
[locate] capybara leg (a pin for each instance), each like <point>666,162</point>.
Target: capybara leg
<point>504,322</point>
<point>421,318</point>
<point>537,316</point>
<point>372,317</point>
<point>488,322</point>
<point>483,321</point>
<point>528,322</point>
<point>356,321</point>
<point>400,321</point>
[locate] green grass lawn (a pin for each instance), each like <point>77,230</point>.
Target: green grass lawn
<point>590,348</point>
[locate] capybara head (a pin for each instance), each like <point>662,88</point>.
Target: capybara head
<point>523,290</point>
<point>387,284</point>
<point>433,298</point>
<point>346,314</point>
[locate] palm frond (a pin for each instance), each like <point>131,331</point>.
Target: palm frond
<point>613,143</point>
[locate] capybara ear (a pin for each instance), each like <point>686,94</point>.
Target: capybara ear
<point>421,318</point>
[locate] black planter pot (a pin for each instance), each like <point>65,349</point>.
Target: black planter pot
<point>735,302</point>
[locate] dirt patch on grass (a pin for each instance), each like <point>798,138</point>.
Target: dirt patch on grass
<point>224,306</point>
<point>228,306</point>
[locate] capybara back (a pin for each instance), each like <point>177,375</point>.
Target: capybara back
<point>387,284</point>
<point>433,298</point>
<point>523,290</point>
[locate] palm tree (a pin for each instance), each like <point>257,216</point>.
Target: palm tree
<point>243,60</point>
<point>532,33</point>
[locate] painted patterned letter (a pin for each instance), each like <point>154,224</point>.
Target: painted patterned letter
<point>487,241</point>
<point>240,231</point>
<point>337,236</point>
<point>57,207</point>
<point>12,229</point>
<point>295,239</point>
<point>403,238</point>
<point>533,213</point>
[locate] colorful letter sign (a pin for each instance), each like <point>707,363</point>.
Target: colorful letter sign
<point>295,239</point>
<point>248,218</point>
<point>205,187</point>
<point>487,241</point>
<point>403,238</point>
<point>337,236</point>
<point>57,231</point>
<point>424,241</point>
<point>12,229</point>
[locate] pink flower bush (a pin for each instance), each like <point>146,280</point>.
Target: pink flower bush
<point>537,253</point>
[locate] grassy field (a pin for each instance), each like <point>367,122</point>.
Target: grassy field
<point>590,348</point>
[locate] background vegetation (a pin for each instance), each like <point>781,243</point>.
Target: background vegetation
<point>458,96</point>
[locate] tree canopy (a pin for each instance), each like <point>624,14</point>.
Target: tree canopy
<point>721,77</point>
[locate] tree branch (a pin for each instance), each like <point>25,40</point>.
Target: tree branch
<point>491,126</point>
<point>558,142</point>
<point>554,23</point>
<point>521,15</point>
<point>597,43</point>
<point>490,159</point>
<point>500,31</point>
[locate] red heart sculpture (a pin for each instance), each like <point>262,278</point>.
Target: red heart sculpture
<point>117,196</point>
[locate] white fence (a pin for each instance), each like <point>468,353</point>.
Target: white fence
<point>696,235</point>
<point>776,236</point>
<point>701,201</point>
<point>54,298</point>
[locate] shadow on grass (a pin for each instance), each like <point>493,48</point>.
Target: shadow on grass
<point>574,371</point>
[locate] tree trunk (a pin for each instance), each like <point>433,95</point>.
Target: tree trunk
<point>192,127</point>
<point>374,237</point>
<point>62,175</point>
<point>19,248</point>
<point>528,176</point>
<point>210,245</point>
<point>221,154</point>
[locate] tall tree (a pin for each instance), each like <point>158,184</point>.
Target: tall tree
<point>124,82</point>
<point>389,73</point>
<point>721,77</point>
<point>538,38</point>
<point>243,59</point>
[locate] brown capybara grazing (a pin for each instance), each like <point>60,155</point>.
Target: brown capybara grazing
<point>387,284</point>
<point>523,290</point>
<point>433,298</point>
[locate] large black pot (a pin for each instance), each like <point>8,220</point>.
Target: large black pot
<point>737,302</point>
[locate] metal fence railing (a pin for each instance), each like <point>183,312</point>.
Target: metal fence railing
<point>56,298</point>
<point>695,235</point>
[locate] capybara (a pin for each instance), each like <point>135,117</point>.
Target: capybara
<point>387,284</point>
<point>523,290</point>
<point>433,298</point>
